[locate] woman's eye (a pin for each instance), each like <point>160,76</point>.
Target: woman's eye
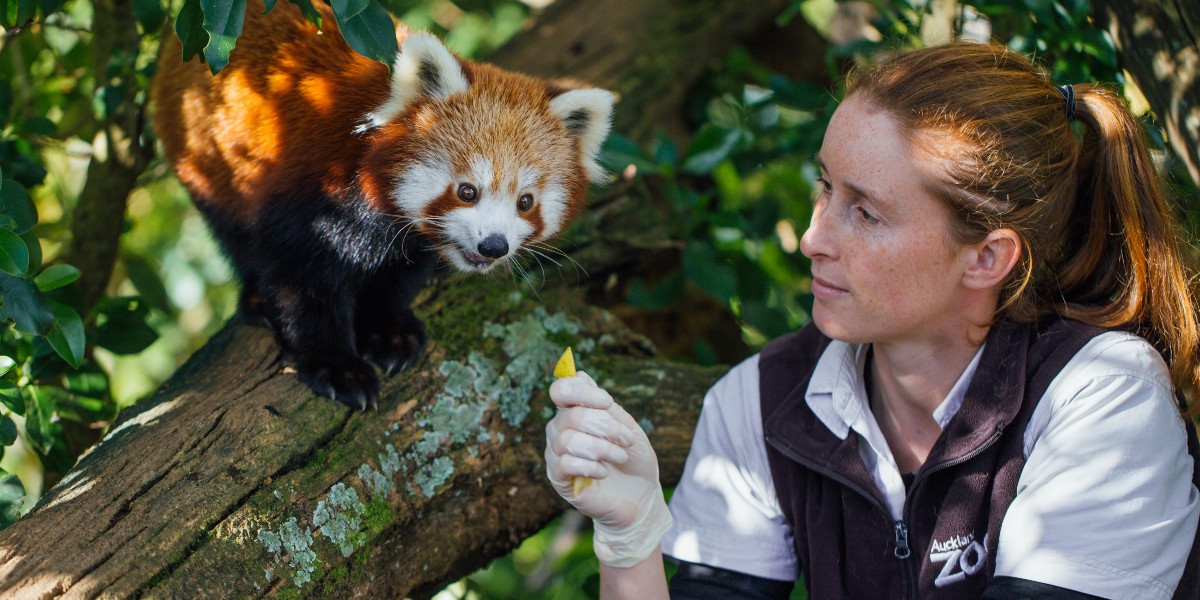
<point>525,202</point>
<point>866,215</point>
<point>468,193</point>
<point>825,185</point>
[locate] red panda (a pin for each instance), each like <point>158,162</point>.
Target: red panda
<point>334,186</point>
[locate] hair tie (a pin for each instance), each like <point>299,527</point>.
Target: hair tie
<point>1068,94</point>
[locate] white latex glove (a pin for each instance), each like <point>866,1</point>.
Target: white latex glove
<point>591,436</point>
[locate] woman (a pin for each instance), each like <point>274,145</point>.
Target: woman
<point>988,404</point>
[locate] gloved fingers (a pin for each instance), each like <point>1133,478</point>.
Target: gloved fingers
<point>573,442</point>
<point>592,421</point>
<point>579,390</point>
<point>567,466</point>
<point>624,418</point>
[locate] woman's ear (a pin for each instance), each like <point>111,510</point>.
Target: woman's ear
<point>990,261</point>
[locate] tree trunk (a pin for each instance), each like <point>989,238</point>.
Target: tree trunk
<point>233,480</point>
<point>1159,43</point>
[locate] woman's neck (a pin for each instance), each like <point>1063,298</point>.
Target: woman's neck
<point>908,382</point>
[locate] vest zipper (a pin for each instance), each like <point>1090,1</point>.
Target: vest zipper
<point>921,476</point>
<point>899,528</point>
<point>901,549</point>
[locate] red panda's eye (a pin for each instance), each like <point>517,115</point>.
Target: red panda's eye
<point>467,192</point>
<point>525,202</point>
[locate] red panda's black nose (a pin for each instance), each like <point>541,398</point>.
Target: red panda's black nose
<point>493,246</point>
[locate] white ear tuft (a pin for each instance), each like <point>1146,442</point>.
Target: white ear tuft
<point>587,114</point>
<point>424,68</point>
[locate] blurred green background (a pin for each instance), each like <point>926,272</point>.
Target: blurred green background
<point>740,188</point>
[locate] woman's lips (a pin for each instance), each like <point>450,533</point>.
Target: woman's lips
<point>824,289</point>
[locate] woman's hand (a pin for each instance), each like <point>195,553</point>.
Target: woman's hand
<point>592,436</point>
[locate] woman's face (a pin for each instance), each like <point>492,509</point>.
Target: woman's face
<point>885,267</point>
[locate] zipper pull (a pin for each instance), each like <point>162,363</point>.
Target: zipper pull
<point>901,551</point>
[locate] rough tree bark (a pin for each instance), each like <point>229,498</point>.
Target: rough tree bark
<point>1159,43</point>
<point>234,481</point>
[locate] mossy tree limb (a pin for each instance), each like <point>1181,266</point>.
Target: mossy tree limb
<point>233,480</point>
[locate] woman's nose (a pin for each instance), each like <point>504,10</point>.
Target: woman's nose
<point>816,241</point>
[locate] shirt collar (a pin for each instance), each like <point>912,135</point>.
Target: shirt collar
<point>838,396</point>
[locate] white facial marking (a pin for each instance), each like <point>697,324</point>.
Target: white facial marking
<point>527,177</point>
<point>481,173</point>
<point>466,227</point>
<point>422,183</point>
<point>554,207</point>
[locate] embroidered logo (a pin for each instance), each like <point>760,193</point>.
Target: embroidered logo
<point>960,556</point>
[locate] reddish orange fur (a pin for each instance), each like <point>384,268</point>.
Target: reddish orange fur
<point>281,117</point>
<point>252,131</point>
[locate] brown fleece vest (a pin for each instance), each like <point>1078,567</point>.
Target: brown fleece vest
<point>846,542</point>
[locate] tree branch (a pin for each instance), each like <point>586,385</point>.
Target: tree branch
<point>1159,43</point>
<point>119,156</point>
<point>234,481</point>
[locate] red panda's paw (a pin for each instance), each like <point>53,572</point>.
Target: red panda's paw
<point>352,382</point>
<point>396,348</point>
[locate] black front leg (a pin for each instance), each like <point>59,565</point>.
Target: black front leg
<point>388,332</point>
<point>314,325</point>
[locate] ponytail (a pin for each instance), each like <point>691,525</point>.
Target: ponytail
<point>1121,264</point>
<point>1100,241</point>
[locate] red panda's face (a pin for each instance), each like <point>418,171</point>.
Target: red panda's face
<point>488,166</point>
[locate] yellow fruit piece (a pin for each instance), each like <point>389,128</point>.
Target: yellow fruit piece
<point>578,483</point>
<point>566,368</point>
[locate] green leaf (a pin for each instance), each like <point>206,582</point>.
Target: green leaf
<point>66,336</point>
<point>618,152</point>
<point>149,14</point>
<point>50,7</point>
<point>25,10</point>
<point>223,22</point>
<point>56,276</point>
<point>706,269</point>
<point>123,328</point>
<point>710,148</point>
<point>367,28</point>
<point>35,250</point>
<point>310,13</point>
<point>149,284</point>
<point>38,424</point>
<point>8,431</point>
<point>15,202</point>
<point>345,9</point>
<point>6,100</point>
<point>14,256</point>
<point>6,365</point>
<point>24,304</point>
<point>663,294</point>
<point>12,498</point>
<point>38,125</point>
<point>18,156</point>
<point>10,396</point>
<point>189,26</point>
<point>85,409</point>
<point>89,380</point>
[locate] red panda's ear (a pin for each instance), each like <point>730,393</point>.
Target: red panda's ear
<point>587,115</point>
<point>424,68</point>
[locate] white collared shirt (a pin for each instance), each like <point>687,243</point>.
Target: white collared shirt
<point>1104,505</point>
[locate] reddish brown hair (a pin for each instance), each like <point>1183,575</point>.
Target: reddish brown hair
<point>1101,243</point>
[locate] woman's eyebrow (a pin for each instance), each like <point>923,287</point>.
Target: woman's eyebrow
<point>877,200</point>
